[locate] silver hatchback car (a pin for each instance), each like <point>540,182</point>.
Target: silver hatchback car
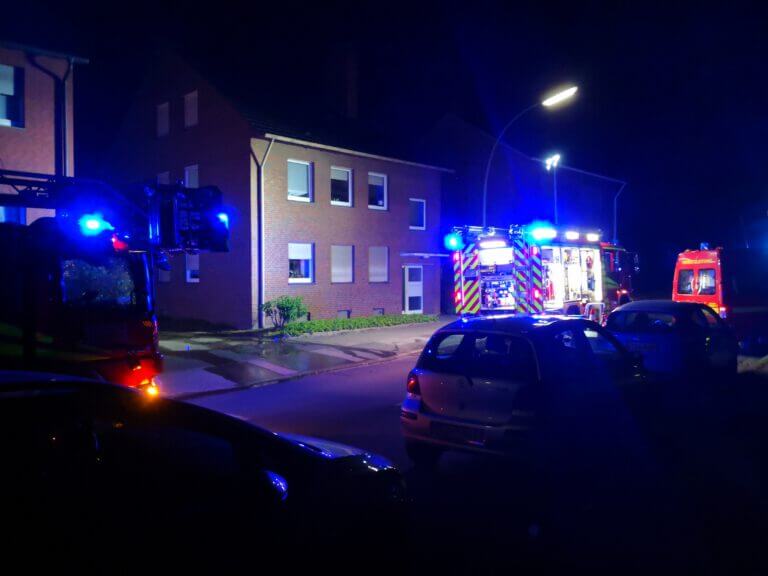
<point>480,384</point>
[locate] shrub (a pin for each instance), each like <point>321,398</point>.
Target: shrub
<point>335,324</point>
<point>284,309</point>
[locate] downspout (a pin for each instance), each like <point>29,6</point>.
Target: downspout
<point>60,113</point>
<point>260,166</point>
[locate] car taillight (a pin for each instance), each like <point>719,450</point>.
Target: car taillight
<point>723,312</point>
<point>413,384</point>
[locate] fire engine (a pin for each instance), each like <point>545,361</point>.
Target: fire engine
<point>78,295</point>
<point>537,269</point>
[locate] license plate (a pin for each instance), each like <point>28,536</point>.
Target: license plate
<point>454,433</point>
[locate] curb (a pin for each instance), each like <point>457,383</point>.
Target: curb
<point>298,375</point>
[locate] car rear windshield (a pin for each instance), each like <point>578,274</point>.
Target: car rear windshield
<point>640,321</point>
<point>685,281</point>
<point>108,283</point>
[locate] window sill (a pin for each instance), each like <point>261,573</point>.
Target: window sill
<point>300,280</point>
<point>417,227</point>
<point>381,208</point>
<point>345,204</point>
<point>299,199</point>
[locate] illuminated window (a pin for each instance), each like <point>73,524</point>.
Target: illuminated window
<point>685,281</point>
<point>707,281</point>
<point>377,191</point>
<point>342,264</point>
<point>192,267</point>
<point>190,109</point>
<point>341,186</point>
<point>378,264</point>
<point>300,263</point>
<point>163,119</point>
<point>299,181</point>
<point>11,96</point>
<point>417,214</point>
<point>191,176</point>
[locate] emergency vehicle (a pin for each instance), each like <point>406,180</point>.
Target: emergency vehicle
<point>733,283</point>
<point>536,269</point>
<point>77,294</point>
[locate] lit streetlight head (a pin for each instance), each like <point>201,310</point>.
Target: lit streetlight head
<point>561,96</point>
<point>552,162</point>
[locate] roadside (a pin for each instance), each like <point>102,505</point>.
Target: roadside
<point>198,364</point>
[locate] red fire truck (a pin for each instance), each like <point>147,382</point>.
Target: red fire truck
<point>733,283</point>
<point>77,296</point>
<point>537,269</point>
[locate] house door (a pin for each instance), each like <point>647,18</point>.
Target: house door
<point>413,289</point>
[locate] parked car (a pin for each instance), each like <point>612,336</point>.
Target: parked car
<point>676,338</point>
<point>93,470</point>
<point>483,384</point>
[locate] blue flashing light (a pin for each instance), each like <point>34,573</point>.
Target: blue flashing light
<point>279,483</point>
<point>223,218</point>
<point>453,241</point>
<point>539,233</point>
<point>93,224</point>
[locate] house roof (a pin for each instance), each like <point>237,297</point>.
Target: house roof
<point>36,51</point>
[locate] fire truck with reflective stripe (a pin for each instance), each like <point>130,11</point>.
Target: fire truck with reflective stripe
<point>537,269</point>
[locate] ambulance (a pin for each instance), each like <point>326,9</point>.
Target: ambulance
<point>537,269</point>
<point>733,283</point>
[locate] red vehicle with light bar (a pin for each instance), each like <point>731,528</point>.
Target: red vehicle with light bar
<point>734,283</point>
<point>537,269</point>
<point>79,295</point>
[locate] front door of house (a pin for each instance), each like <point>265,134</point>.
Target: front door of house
<point>413,289</point>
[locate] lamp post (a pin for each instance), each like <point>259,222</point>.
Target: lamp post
<point>549,102</point>
<point>551,164</point>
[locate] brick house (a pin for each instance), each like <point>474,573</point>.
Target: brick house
<point>352,231</point>
<point>36,118</point>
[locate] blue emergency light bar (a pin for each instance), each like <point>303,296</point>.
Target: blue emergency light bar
<point>93,224</point>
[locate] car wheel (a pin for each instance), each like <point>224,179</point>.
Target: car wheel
<point>423,455</point>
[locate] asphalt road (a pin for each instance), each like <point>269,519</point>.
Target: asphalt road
<point>673,489</point>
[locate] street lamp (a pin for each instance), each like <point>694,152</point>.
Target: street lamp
<point>551,164</point>
<point>548,102</point>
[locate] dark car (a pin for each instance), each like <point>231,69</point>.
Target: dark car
<point>676,338</point>
<point>482,384</point>
<point>92,470</point>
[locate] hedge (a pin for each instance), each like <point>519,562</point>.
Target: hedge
<point>335,324</point>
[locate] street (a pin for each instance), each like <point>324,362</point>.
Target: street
<point>695,501</point>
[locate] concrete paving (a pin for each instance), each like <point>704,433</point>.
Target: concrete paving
<point>203,363</point>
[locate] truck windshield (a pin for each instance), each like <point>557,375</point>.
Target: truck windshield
<point>108,283</point>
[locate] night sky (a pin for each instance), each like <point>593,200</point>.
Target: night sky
<point>672,97</point>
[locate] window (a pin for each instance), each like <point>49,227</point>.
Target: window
<point>503,357</point>
<point>685,281</point>
<point>11,96</point>
<point>707,281</point>
<point>300,263</point>
<point>342,264</point>
<point>378,311</point>
<point>641,322</point>
<point>378,264</point>
<point>191,176</point>
<point>601,345</point>
<point>344,314</point>
<point>13,214</point>
<point>192,266</point>
<point>443,353</point>
<point>107,284</point>
<point>414,274</point>
<point>341,186</point>
<point>299,181</point>
<point>190,109</point>
<point>377,191</point>
<point>163,119</point>
<point>417,215</point>
<point>164,178</point>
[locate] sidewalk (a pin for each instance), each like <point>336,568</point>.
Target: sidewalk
<point>206,363</point>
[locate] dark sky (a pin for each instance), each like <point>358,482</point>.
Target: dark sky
<point>673,96</point>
